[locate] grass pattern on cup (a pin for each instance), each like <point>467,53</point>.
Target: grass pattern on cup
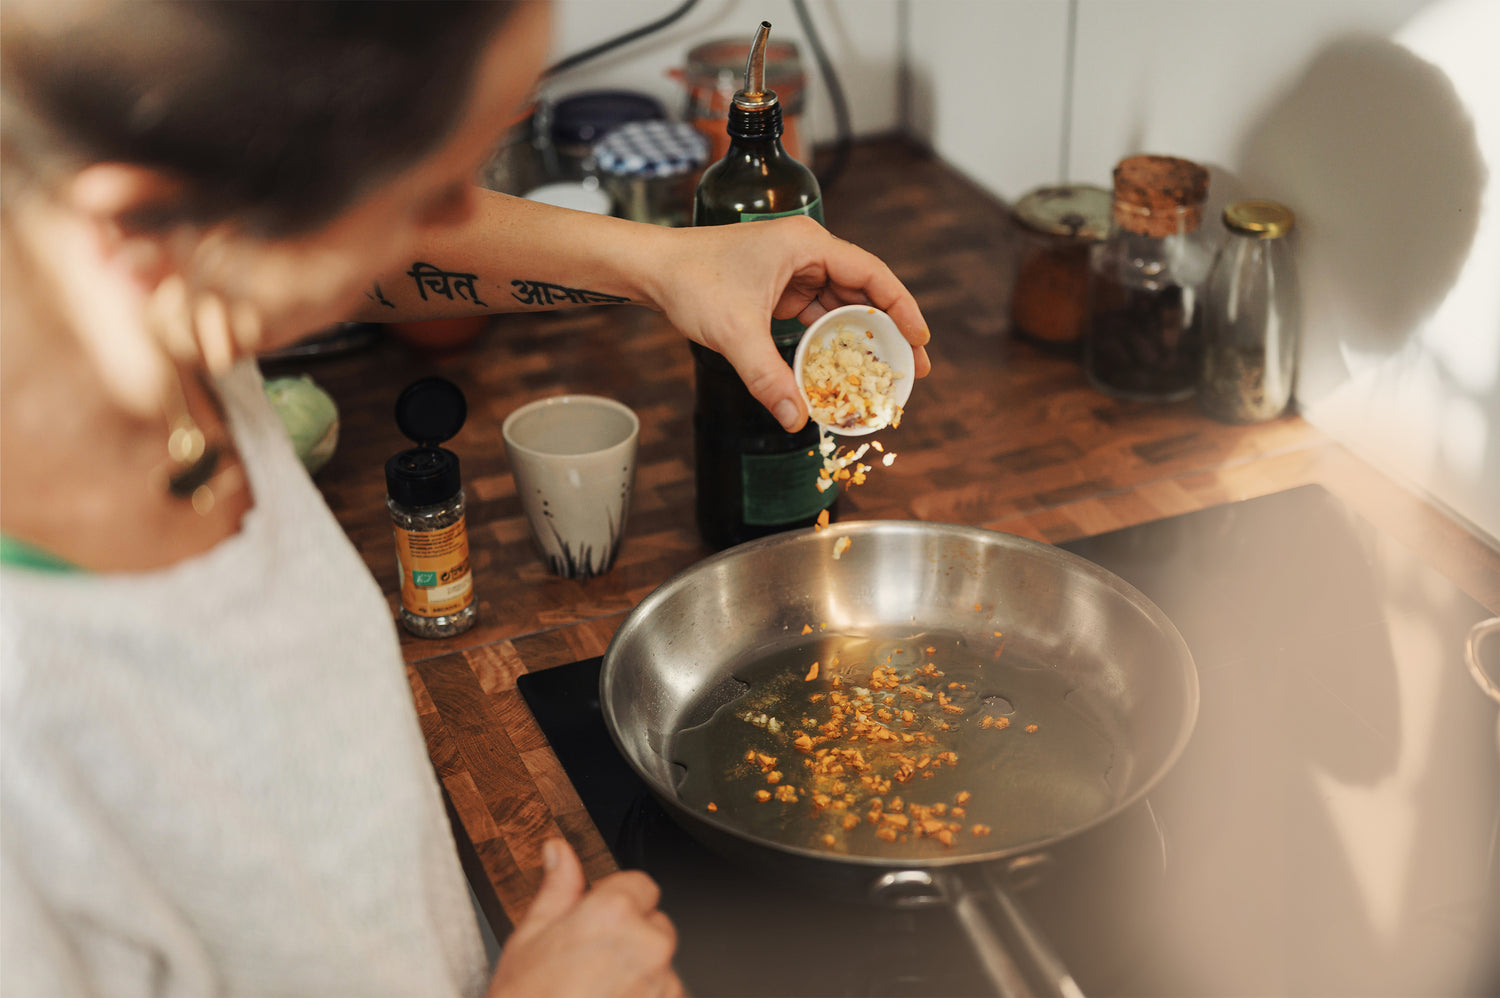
<point>580,565</point>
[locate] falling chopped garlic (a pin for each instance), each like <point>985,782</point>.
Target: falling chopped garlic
<point>837,462</point>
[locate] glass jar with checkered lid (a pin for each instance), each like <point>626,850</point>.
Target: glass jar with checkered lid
<point>650,168</point>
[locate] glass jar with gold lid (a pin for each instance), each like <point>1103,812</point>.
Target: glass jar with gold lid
<point>1251,320</point>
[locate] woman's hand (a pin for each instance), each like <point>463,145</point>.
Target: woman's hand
<point>581,943</point>
<point>721,285</point>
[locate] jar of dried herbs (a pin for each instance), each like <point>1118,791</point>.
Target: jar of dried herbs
<point>1144,335</point>
<point>425,496</point>
<point>1251,323</point>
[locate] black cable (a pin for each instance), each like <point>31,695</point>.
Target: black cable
<point>609,45</point>
<point>844,135</point>
<point>844,129</point>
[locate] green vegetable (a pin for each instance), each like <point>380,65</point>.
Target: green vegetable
<point>310,417</point>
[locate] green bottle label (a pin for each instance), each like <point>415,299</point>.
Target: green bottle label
<point>781,488</point>
<point>786,331</point>
<point>813,208</point>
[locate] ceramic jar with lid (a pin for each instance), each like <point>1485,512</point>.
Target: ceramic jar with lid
<point>574,124</point>
<point>1143,340</point>
<point>1059,227</point>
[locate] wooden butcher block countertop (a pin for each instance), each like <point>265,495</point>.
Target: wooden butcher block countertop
<point>1001,435</point>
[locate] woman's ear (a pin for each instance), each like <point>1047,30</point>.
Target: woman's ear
<point>133,214</point>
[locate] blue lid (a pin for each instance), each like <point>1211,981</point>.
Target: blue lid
<point>585,118</point>
<point>651,149</point>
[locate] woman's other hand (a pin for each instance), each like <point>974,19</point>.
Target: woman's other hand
<point>578,942</point>
<point>721,285</point>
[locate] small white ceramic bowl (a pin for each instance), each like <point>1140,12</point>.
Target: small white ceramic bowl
<point>888,345</point>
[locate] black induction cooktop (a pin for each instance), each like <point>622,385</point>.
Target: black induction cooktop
<point>1329,830</point>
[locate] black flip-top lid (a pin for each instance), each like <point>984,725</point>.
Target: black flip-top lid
<point>429,412</point>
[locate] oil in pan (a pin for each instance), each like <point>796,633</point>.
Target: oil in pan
<point>899,746</point>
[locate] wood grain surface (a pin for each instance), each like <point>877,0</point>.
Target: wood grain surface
<point>1001,435</point>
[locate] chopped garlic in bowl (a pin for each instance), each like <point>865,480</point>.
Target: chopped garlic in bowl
<point>855,370</point>
<point>846,384</point>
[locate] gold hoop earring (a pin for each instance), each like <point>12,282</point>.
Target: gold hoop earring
<point>193,459</point>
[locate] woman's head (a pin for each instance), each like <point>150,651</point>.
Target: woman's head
<point>277,114</point>
<point>276,156</point>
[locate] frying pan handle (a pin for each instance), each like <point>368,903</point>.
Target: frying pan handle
<point>908,889</point>
<point>989,916</point>
<point>920,889</point>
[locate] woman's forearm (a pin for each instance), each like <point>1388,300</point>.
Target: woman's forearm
<point>719,285</point>
<point>517,255</point>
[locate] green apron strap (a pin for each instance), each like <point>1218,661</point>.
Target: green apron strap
<point>19,554</point>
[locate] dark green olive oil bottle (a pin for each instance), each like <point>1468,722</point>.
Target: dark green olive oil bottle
<point>753,477</point>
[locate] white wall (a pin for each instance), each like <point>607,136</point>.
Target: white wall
<point>1377,121</point>
<point>988,87</point>
<point>1402,246</point>
<point>860,36</point>
<point>1191,77</point>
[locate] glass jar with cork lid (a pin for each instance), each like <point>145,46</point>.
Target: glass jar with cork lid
<point>1143,340</point>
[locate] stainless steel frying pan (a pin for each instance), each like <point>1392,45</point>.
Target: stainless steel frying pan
<point>673,664</point>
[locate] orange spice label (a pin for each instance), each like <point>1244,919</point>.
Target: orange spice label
<point>435,579</point>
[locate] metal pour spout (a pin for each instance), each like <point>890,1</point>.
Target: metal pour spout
<point>755,95</point>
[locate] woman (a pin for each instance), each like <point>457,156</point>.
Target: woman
<point>213,780</point>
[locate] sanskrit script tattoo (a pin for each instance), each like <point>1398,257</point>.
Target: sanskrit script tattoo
<point>544,293</point>
<point>380,297</point>
<point>447,283</point>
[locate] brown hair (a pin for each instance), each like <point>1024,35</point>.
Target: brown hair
<point>279,114</point>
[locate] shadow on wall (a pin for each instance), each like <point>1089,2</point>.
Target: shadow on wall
<point>1375,152</point>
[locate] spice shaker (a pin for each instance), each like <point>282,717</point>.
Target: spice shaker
<point>1251,322</point>
<point>753,478</point>
<point>1059,227</point>
<point>424,492</point>
<point>1143,339</point>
